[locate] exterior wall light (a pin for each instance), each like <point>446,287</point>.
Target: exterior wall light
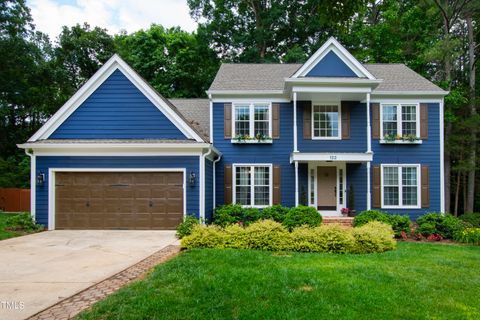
<point>192,178</point>
<point>40,179</point>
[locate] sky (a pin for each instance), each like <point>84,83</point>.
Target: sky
<point>131,15</point>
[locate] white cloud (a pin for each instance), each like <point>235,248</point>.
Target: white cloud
<point>131,15</point>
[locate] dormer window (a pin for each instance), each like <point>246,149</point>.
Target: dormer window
<point>252,121</point>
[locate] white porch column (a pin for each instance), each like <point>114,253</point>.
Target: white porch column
<point>296,183</point>
<point>369,128</point>
<point>369,194</point>
<point>295,133</point>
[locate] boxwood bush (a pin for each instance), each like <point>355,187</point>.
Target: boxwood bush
<point>399,223</point>
<point>185,228</point>
<point>302,215</point>
<point>438,223</point>
<point>270,235</point>
<point>235,213</point>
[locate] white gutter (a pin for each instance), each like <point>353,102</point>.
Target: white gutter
<point>214,181</point>
<point>33,180</point>
<point>202,183</point>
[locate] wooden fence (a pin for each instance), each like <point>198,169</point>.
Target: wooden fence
<point>14,199</point>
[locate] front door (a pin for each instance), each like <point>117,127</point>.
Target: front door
<point>326,188</point>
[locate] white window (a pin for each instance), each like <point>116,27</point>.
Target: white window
<point>253,185</point>
<point>252,120</point>
<point>401,186</point>
<point>326,121</point>
<point>400,120</point>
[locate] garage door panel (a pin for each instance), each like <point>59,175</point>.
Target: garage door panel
<point>118,200</point>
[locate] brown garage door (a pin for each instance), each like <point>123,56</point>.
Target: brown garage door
<point>118,200</point>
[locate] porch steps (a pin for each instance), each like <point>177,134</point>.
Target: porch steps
<point>343,221</point>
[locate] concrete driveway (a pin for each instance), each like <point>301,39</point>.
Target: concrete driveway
<point>38,270</point>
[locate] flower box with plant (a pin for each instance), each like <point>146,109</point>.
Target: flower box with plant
<point>398,139</point>
<point>259,138</point>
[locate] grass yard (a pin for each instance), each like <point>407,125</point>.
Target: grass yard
<point>418,281</point>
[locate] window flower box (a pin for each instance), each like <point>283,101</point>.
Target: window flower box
<point>408,139</point>
<point>252,140</point>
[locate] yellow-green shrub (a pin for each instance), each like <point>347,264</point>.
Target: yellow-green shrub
<point>267,235</point>
<point>272,236</point>
<point>375,236</point>
<point>204,237</point>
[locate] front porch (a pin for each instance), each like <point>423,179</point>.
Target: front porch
<point>334,184</point>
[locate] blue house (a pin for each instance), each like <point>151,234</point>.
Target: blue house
<point>331,133</point>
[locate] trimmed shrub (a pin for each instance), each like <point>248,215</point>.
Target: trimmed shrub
<point>437,223</point>
<point>468,235</point>
<point>250,215</point>
<point>185,228</point>
<point>398,223</point>
<point>272,236</point>
<point>204,237</point>
<point>374,237</point>
<point>473,219</point>
<point>275,213</point>
<point>228,214</point>
<point>302,215</point>
<point>22,222</point>
<point>267,235</point>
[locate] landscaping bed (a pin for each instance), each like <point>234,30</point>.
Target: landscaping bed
<point>17,224</point>
<point>417,281</point>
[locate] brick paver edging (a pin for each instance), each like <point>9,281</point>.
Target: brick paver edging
<point>71,306</point>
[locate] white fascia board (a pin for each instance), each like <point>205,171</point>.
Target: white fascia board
<point>333,45</point>
<point>331,89</point>
<point>327,81</point>
<point>379,94</point>
<point>331,156</point>
<point>249,99</point>
<point>114,63</point>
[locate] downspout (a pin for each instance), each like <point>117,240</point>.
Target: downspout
<point>215,182</point>
<point>202,183</point>
<point>33,169</point>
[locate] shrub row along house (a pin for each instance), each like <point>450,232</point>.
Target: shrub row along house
<point>331,133</point>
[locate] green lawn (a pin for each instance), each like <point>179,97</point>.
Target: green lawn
<point>418,281</point>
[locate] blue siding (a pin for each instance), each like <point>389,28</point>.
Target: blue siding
<point>117,110</point>
<point>427,153</point>
<point>276,153</point>
<point>357,178</point>
<point>331,66</point>
<point>358,133</point>
<point>208,190</point>
<point>191,163</point>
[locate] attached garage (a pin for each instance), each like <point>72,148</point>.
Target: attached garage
<point>119,200</point>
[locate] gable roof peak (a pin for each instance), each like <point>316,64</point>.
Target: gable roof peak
<point>332,45</point>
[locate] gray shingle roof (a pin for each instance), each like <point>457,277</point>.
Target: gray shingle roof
<point>399,77</point>
<point>396,77</point>
<point>254,76</point>
<point>196,112</point>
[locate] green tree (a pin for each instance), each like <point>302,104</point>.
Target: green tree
<point>176,63</point>
<point>265,30</point>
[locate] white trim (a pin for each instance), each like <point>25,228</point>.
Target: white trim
<point>383,141</point>
<point>439,94</point>
<point>201,191</point>
<point>399,167</point>
<point>211,118</point>
<point>244,92</point>
<point>339,120</point>
<point>399,106</point>
<point>296,184</point>
<point>295,129</point>
<point>339,166</point>
<point>51,184</point>
<point>251,119</point>
<point>215,181</point>
<point>442,159</point>
<point>349,157</point>
<point>248,99</point>
<point>396,100</point>
<point>331,89</point>
<point>369,188</point>
<point>113,64</point>
<point>107,153</point>
<point>332,80</point>
<point>369,127</point>
<point>333,45</point>
<point>113,145</point>
<point>33,183</point>
<point>252,181</point>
